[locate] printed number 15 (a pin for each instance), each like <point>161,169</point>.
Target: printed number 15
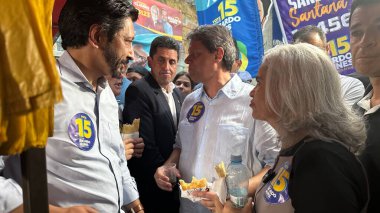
<point>229,9</point>
<point>341,46</point>
<point>84,127</point>
<point>196,110</point>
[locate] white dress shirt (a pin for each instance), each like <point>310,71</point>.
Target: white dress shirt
<point>226,127</point>
<point>170,99</point>
<point>352,89</point>
<point>85,157</point>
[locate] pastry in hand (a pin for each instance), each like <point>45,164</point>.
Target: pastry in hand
<point>131,128</point>
<point>195,184</point>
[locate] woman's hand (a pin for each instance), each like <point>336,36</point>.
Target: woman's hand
<point>229,208</point>
<point>209,200</point>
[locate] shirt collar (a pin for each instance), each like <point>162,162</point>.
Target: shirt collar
<point>170,88</point>
<point>230,89</point>
<point>73,73</point>
<point>365,103</point>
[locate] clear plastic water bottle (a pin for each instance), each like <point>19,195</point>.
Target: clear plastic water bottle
<point>237,181</point>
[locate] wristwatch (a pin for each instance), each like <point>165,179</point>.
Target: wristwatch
<point>136,209</point>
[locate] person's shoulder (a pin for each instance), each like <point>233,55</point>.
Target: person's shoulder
<point>318,150</point>
<point>140,85</point>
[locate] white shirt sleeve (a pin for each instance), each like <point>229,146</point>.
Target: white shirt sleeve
<point>266,143</point>
<point>10,192</point>
<point>130,192</point>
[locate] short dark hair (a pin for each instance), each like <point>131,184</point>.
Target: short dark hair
<point>303,34</point>
<point>77,16</point>
<point>187,75</point>
<point>213,37</point>
<point>358,3</point>
<point>163,42</point>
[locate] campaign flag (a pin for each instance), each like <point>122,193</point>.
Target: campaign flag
<point>332,16</point>
<point>243,19</point>
<point>159,18</point>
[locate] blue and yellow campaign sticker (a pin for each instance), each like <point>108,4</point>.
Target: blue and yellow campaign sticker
<point>196,111</point>
<point>277,190</point>
<point>82,131</point>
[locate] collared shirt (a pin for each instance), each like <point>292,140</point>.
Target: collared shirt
<point>365,103</point>
<point>170,99</point>
<point>221,126</point>
<point>85,157</point>
<point>352,89</point>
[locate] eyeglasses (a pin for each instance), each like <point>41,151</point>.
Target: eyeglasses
<point>185,83</point>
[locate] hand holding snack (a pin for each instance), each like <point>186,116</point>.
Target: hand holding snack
<point>134,146</point>
<point>162,179</point>
<point>187,189</point>
<point>211,195</point>
<point>209,200</point>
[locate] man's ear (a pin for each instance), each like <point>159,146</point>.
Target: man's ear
<point>150,59</point>
<point>219,54</point>
<point>95,36</point>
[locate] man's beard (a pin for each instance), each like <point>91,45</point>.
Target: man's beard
<point>117,65</point>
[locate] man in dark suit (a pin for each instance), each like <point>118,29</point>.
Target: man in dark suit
<point>155,100</point>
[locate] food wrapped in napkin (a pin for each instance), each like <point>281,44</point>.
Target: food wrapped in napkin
<point>131,130</point>
<point>195,185</point>
<point>218,186</point>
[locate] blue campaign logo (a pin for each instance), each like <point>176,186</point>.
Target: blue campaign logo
<point>277,191</point>
<point>81,131</point>
<point>196,111</point>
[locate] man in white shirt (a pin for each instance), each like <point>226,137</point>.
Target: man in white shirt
<point>85,157</point>
<point>155,100</point>
<point>352,88</point>
<point>216,120</point>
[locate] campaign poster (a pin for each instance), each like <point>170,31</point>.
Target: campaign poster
<point>243,19</point>
<point>332,16</point>
<point>159,18</point>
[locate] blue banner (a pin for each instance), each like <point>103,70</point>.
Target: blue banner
<point>332,16</point>
<point>243,19</point>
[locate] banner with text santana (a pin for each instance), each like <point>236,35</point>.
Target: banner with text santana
<point>332,16</point>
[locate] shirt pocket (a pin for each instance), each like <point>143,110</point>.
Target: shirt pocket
<point>231,139</point>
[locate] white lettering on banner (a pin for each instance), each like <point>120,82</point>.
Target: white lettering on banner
<point>227,22</point>
<point>297,4</point>
<point>174,20</point>
<point>342,61</point>
<point>335,23</point>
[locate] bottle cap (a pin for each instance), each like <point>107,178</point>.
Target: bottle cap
<point>236,158</point>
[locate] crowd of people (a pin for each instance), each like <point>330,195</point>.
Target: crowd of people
<point>307,134</point>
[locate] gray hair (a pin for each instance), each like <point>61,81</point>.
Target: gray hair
<point>214,36</point>
<point>303,90</point>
